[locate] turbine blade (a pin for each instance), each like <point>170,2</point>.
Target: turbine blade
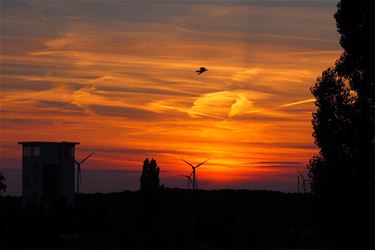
<point>86,158</point>
<point>300,174</point>
<point>190,180</point>
<point>187,162</point>
<point>201,163</point>
<point>181,175</point>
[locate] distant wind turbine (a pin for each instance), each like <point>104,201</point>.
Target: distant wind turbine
<point>79,176</point>
<point>194,181</point>
<point>302,182</point>
<point>189,181</point>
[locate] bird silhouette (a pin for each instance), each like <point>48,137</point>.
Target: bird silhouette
<point>201,70</point>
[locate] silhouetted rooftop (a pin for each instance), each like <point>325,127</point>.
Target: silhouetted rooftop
<point>45,142</point>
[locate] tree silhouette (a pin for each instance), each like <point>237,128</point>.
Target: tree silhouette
<point>3,187</point>
<point>150,175</point>
<point>343,173</point>
<point>344,123</point>
<point>356,24</point>
<point>150,205</point>
<point>331,124</point>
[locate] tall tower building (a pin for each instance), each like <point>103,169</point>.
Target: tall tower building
<point>48,172</point>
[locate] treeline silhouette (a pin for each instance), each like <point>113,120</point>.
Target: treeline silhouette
<point>187,219</point>
<point>343,173</point>
<point>160,218</point>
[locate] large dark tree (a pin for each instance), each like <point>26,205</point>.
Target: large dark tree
<point>343,172</point>
<point>331,124</point>
<point>150,205</point>
<point>3,187</point>
<point>344,123</point>
<point>356,24</point>
<point>150,175</point>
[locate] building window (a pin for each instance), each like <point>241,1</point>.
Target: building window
<point>36,151</point>
<point>31,151</point>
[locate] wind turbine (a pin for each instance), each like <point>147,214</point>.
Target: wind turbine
<point>303,182</point>
<point>188,177</point>
<point>194,182</point>
<point>79,176</point>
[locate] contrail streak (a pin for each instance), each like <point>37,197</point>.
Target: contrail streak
<point>296,103</point>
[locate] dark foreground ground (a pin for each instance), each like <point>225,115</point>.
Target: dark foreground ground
<point>179,219</point>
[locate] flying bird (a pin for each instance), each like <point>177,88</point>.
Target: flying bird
<point>201,70</point>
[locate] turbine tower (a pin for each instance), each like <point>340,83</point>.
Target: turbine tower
<point>302,185</point>
<point>79,176</point>
<point>194,181</point>
<point>189,181</point>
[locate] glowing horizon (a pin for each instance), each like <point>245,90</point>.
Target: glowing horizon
<point>120,79</point>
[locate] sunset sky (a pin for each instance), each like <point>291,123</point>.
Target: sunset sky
<point>119,77</point>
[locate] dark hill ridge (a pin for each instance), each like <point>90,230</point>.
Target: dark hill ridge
<point>178,219</point>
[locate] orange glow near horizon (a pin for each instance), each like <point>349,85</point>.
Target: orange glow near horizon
<point>122,83</point>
